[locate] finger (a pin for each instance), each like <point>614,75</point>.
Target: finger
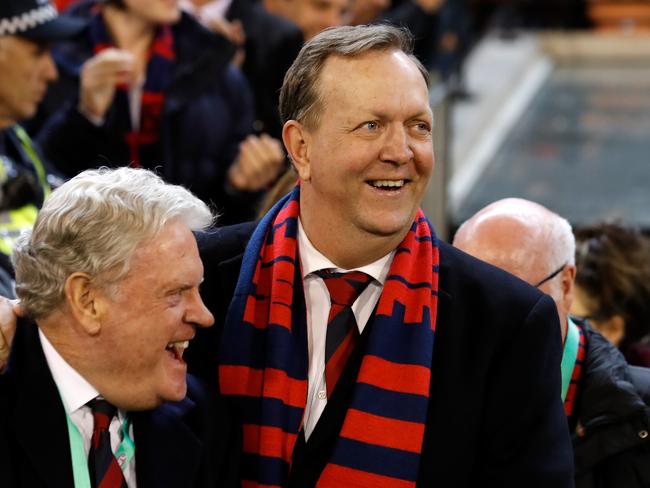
<point>112,54</point>
<point>247,156</point>
<point>237,179</point>
<point>4,351</point>
<point>17,307</point>
<point>7,327</point>
<point>274,149</point>
<point>109,61</point>
<point>97,74</point>
<point>259,153</point>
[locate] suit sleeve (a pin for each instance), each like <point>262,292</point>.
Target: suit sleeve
<point>526,438</point>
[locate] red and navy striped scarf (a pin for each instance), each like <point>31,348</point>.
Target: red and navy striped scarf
<point>572,392</point>
<point>264,361</point>
<point>160,60</point>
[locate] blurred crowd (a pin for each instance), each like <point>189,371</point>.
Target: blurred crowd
<point>190,90</point>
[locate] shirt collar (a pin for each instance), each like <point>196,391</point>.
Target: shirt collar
<point>75,391</point>
<point>313,260</point>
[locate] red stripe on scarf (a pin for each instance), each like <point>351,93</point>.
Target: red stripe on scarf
<point>273,282</point>
<point>245,381</point>
<point>255,484</point>
<point>268,441</point>
<point>402,378</point>
<point>164,47</point>
<point>382,431</point>
<point>413,273</point>
<point>572,392</point>
<point>337,476</point>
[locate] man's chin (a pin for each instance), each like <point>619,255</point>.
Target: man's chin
<point>387,225</point>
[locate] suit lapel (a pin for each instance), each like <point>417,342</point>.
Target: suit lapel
<point>40,423</point>
<point>167,453</point>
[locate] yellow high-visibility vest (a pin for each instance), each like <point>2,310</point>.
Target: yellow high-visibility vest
<point>15,221</point>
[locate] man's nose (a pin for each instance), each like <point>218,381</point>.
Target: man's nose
<point>396,147</point>
<point>197,313</point>
<point>50,72</point>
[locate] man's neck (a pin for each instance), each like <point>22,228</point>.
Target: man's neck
<point>5,122</point>
<point>127,31</point>
<point>348,248</point>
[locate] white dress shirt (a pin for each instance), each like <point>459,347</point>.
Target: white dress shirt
<point>75,393</point>
<point>317,301</point>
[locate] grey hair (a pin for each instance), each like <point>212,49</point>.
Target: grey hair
<point>93,224</point>
<point>299,97</point>
<point>561,247</point>
<point>562,243</point>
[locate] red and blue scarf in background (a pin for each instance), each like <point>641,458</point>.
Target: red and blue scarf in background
<point>264,361</point>
<point>160,60</point>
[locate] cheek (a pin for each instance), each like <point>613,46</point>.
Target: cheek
<point>425,160</point>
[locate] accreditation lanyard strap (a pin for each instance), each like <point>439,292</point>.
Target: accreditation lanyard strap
<point>569,356</point>
<point>124,453</point>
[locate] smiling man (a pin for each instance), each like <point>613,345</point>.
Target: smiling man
<point>361,350</point>
<point>110,275</point>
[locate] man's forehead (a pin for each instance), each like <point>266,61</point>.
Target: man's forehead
<point>16,42</point>
<point>372,68</point>
<point>351,63</point>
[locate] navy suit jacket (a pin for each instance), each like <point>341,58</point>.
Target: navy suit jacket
<point>180,444</point>
<point>495,415</point>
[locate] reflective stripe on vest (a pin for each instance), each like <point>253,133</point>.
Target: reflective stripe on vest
<point>13,222</point>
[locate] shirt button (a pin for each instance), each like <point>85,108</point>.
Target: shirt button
<point>322,395</point>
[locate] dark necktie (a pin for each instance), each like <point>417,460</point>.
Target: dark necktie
<point>102,465</point>
<point>342,330</point>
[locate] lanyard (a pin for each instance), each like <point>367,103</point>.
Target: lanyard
<point>569,355</point>
<point>124,454</point>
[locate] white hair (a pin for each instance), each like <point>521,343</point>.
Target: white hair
<point>93,224</point>
<point>561,248</point>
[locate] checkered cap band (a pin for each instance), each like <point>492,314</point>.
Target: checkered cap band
<point>28,20</point>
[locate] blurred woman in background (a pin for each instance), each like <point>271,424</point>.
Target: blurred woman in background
<point>613,286</point>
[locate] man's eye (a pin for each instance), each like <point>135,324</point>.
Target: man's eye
<point>423,127</point>
<point>370,126</point>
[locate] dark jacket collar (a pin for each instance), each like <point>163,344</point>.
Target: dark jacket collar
<point>38,410</point>
<point>167,451</point>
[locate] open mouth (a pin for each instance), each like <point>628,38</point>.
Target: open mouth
<point>387,185</point>
<point>176,349</point>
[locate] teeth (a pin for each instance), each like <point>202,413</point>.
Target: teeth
<point>179,346</point>
<point>387,183</point>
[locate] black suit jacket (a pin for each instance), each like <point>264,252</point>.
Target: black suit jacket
<point>495,416</point>
<point>180,444</point>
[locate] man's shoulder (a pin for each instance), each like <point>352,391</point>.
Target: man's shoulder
<point>478,302</point>
<point>609,387</point>
<point>224,243</point>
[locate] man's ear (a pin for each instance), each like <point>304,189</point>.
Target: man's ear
<point>568,284</point>
<point>85,301</point>
<point>296,140</point>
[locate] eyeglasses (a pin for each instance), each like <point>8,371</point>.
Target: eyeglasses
<point>551,276</point>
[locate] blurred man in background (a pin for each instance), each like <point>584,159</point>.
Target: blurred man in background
<point>607,416</point>
<point>26,29</point>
